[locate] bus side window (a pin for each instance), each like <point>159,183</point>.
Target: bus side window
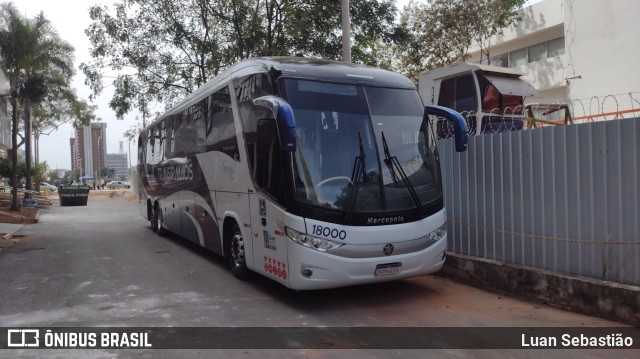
<point>220,126</point>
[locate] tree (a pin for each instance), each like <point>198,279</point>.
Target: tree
<point>28,49</point>
<point>490,18</point>
<point>161,50</point>
<point>106,172</point>
<point>432,35</point>
<point>40,173</point>
<point>71,176</point>
<point>438,33</point>
<point>58,105</point>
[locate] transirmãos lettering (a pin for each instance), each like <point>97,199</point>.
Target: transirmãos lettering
<point>176,173</point>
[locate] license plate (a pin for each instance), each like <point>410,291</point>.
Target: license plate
<point>388,269</point>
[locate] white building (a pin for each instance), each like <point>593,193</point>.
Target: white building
<point>579,51</point>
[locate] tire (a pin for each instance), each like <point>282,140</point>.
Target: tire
<point>237,261</point>
<point>154,219</point>
<point>161,231</point>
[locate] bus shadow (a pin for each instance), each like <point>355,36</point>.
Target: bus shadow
<point>366,296</point>
<point>362,296</point>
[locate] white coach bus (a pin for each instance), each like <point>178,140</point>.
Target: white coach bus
<point>313,173</point>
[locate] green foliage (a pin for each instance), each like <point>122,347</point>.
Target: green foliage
<point>438,33</point>
<point>106,172</point>
<point>34,59</point>
<point>40,172</point>
<point>490,17</point>
<point>162,50</point>
<point>70,176</point>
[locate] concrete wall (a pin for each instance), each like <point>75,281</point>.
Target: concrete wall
<point>602,46</point>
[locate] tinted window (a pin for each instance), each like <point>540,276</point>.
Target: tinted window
<point>459,93</point>
<point>220,127</point>
<point>247,89</point>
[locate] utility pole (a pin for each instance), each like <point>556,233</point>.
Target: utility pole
<point>346,32</point>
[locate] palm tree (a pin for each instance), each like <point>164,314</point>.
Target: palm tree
<point>28,47</point>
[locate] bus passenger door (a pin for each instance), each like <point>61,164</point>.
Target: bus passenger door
<point>268,237</point>
<point>268,241</point>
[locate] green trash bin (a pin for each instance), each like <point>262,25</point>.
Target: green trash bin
<point>74,195</point>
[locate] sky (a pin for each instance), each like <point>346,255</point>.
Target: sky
<point>70,19</point>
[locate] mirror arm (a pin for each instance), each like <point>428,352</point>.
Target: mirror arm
<point>459,124</point>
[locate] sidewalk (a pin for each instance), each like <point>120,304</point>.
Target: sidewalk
<point>7,230</point>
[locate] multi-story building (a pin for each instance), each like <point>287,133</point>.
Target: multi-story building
<point>575,51</point>
<point>89,149</point>
<point>118,161</point>
<point>72,144</point>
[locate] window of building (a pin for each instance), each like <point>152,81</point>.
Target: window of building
<point>537,52</point>
<point>518,57</point>
<point>529,54</point>
<point>555,47</point>
<point>500,60</point>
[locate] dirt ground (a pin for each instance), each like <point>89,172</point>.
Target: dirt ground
<point>24,215</point>
<point>27,215</point>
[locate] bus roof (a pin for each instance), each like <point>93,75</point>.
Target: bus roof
<point>327,70</point>
<point>298,67</point>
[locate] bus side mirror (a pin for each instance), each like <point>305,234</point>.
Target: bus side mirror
<point>459,124</point>
<point>285,122</point>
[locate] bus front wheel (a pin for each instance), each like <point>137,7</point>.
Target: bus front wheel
<point>237,261</point>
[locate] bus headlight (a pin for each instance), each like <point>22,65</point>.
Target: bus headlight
<point>319,244</point>
<point>438,233</point>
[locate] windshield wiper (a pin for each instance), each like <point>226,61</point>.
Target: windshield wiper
<point>359,171</point>
<point>394,165</point>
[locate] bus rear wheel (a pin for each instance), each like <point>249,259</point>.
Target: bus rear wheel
<point>237,260</point>
<point>157,221</point>
<point>153,214</point>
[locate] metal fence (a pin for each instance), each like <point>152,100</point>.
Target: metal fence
<point>562,198</point>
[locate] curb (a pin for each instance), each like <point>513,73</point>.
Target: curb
<point>605,299</point>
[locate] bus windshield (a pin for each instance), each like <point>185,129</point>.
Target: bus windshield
<point>341,162</point>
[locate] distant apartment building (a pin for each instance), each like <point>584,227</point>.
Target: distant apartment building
<point>580,52</point>
<point>118,161</point>
<point>72,144</point>
<point>88,148</point>
<point>60,172</point>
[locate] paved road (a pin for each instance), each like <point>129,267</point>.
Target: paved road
<point>101,265</point>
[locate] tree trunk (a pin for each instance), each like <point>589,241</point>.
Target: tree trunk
<point>14,153</point>
<point>36,147</point>
<point>27,146</point>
